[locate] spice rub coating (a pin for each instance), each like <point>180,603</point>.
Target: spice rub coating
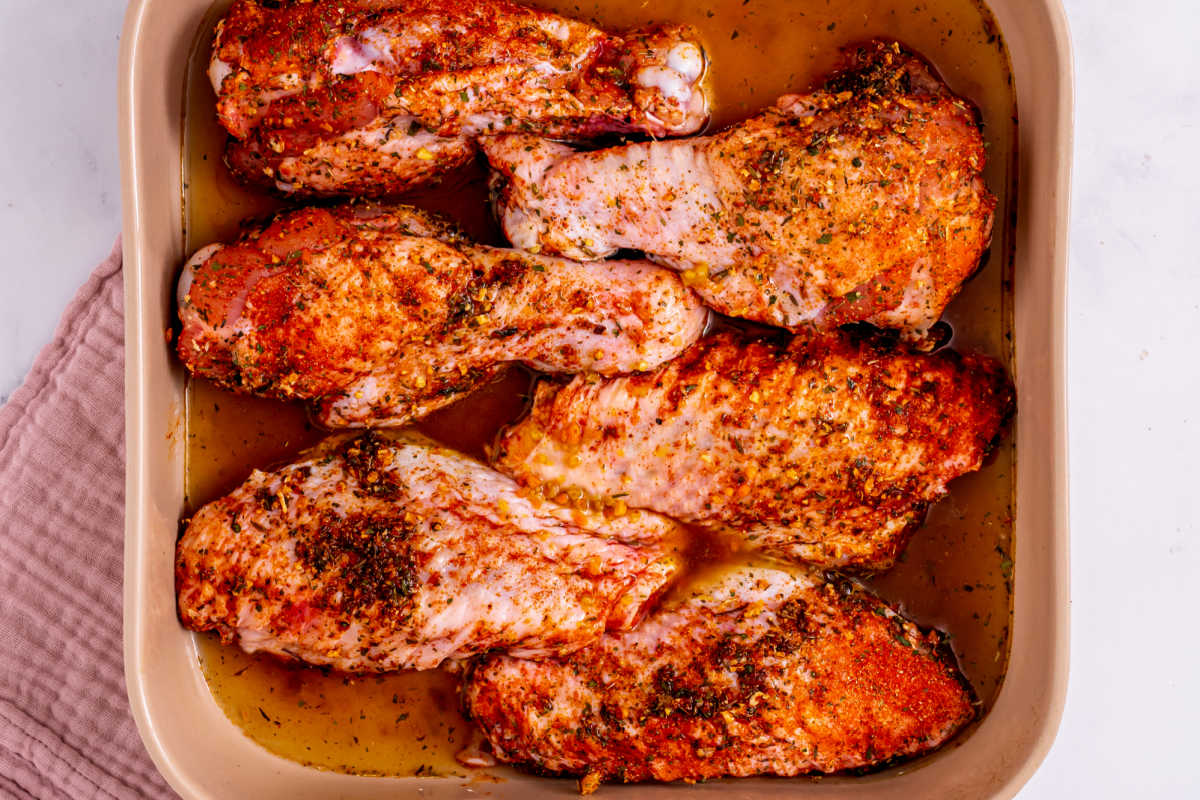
<point>383,314</point>
<point>824,449</point>
<point>385,551</point>
<point>862,201</point>
<point>376,97</point>
<point>757,671</point>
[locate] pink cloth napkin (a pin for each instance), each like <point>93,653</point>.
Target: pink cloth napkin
<point>65,725</point>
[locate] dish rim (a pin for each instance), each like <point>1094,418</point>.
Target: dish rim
<point>1037,31</point>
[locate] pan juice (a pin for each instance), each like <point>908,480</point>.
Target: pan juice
<point>956,573</point>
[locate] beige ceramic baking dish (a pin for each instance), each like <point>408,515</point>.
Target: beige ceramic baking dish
<point>203,755</point>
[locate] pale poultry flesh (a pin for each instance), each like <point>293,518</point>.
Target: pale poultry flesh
<point>755,671</point>
<point>862,201</point>
<point>384,551</point>
<point>825,449</point>
<point>382,314</point>
<point>376,97</point>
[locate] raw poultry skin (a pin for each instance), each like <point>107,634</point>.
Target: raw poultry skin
<point>384,552</point>
<point>383,314</point>
<point>376,97</point>
<point>863,201</point>
<point>824,449</point>
<point>758,671</point>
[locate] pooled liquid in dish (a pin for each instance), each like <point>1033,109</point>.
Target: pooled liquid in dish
<point>957,571</point>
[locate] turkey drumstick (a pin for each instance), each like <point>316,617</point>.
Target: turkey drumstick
<point>385,551</point>
<point>862,201</point>
<point>375,97</point>
<point>382,315</point>
<point>824,449</point>
<point>758,670</point>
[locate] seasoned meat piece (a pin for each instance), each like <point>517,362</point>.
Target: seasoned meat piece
<point>375,97</point>
<point>757,671</point>
<point>824,449</point>
<point>387,552</point>
<point>862,201</point>
<point>385,156</point>
<point>385,314</point>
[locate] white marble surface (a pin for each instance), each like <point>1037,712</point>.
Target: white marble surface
<point>60,186</point>
<point>1130,723</point>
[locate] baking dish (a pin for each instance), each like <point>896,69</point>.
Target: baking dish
<point>202,754</point>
